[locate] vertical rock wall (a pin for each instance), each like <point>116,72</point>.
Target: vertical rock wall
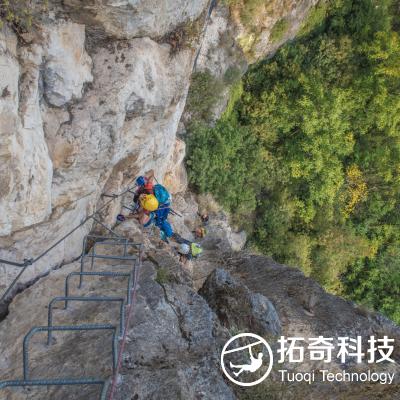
<point>89,99</point>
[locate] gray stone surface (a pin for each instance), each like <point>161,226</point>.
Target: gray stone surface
<point>173,340</point>
<point>237,307</point>
<point>76,125</point>
<point>172,350</point>
<point>176,334</point>
<point>134,18</point>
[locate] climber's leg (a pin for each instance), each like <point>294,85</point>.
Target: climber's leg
<point>166,227</point>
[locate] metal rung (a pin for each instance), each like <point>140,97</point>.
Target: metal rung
<point>132,276</point>
<point>109,274</point>
<point>92,254</point>
<point>65,328</point>
<point>58,382</point>
<point>118,241</point>
<point>113,238</point>
<point>84,299</point>
<point>104,257</point>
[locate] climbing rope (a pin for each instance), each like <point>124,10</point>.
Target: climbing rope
<point>128,320</point>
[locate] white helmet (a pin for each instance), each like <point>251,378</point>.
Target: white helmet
<point>184,248</point>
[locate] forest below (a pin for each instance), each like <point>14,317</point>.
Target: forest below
<point>306,156</point>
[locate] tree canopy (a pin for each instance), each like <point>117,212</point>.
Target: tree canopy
<point>308,156</point>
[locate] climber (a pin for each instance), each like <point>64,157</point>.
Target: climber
<point>148,204</point>
<point>155,208</point>
<point>189,250</point>
<point>255,364</point>
<point>144,201</point>
<point>145,185</point>
<point>160,219</point>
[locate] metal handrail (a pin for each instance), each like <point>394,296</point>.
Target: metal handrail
<point>105,274</point>
<point>128,319</point>
<point>29,261</point>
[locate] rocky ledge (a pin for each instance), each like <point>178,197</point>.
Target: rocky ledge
<point>176,334</point>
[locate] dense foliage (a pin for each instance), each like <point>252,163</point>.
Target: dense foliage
<point>308,155</point>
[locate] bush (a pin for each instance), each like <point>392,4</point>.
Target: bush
<point>248,9</point>
<point>219,161</point>
<point>163,276</point>
<point>232,75</point>
<point>279,30</point>
<point>184,36</point>
<point>205,92</point>
<point>315,18</point>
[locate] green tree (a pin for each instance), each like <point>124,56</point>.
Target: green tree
<point>313,136</point>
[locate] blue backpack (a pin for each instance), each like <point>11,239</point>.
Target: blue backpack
<point>161,194</point>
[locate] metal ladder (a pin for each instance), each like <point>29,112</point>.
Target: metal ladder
<point>118,331</point>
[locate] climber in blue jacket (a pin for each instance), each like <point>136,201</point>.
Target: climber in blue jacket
<point>160,219</point>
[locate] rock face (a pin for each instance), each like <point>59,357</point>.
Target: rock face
<point>172,341</point>
<point>305,310</point>
<point>89,100</point>
<point>92,97</point>
<point>172,350</point>
<point>237,307</point>
<point>67,66</point>
<point>26,176</point>
<point>175,335</point>
<point>243,33</point>
<point>220,50</point>
<point>82,113</point>
<point>135,18</point>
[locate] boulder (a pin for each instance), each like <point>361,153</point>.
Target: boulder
<point>237,308</point>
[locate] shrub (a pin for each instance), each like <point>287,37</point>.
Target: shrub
<point>205,91</point>
<point>279,30</point>
<point>183,36</point>
<point>220,162</point>
<point>315,18</point>
<point>232,75</point>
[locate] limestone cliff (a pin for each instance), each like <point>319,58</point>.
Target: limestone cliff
<point>90,98</point>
